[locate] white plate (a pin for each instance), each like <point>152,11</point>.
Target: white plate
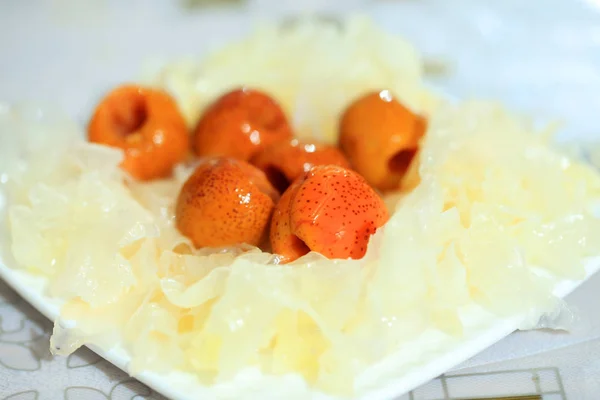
<point>183,386</point>
<point>483,44</point>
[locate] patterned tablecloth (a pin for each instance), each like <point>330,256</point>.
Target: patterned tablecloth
<point>28,371</point>
<point>538,56</point>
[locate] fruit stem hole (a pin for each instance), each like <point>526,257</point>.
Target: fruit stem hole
<point>400,161</point>
<point>133,118</point>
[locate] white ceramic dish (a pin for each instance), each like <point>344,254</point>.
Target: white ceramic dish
<point>429,364</point>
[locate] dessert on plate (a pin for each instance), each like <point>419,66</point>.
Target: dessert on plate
<point>300,206</point>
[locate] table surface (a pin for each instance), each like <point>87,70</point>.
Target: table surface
<point>541,57</point>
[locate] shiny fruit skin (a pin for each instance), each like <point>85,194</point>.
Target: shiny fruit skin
<point>147,125</point>
<point>380,136</point>
<point>225,202</point>
<point>285,161</point>
<point>239,124</point>
<point>330,210</point>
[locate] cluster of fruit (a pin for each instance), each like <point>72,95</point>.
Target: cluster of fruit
<point>254,177</point>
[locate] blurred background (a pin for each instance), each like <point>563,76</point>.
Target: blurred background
<point>539,56</point>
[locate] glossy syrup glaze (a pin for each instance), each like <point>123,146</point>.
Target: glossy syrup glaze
<point>285,161</point>
<point>147,125</point>
<point>225,202</point>
<point>330,210</point>
<point>381,136</point>
<point>239,124</point>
